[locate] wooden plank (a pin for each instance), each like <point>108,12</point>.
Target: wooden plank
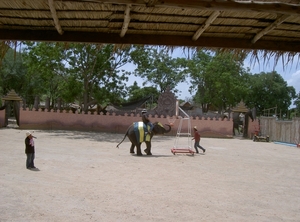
<point>167,40</point>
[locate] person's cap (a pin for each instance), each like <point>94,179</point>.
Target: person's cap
<point>195,127</point>
<point>28,133</point>
<point>144,111</point>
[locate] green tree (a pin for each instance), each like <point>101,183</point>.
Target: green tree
<point>45,69</point>
<point>86,73</point>
<point>97,69</point>
<point>297,104</point>
<point>196,67</point>
<point>136,93</point>
<point>219,80</point>
<point>13,73</point>
<point>270,90</point>
<point>157,67</point>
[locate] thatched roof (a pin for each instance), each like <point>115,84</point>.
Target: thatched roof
<point>12,96</point>
<point>243,24</point>
<point>131,105</point>
<point>240,108</point>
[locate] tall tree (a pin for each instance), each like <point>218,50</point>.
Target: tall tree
<point>196,67</point>
<point>270,90</point>
<point>218,80</point>
<point>157,67</point>
<point>13,73</point>
<point>45,68</point>
<point>297,104</point>
<point>136,93</point>
<point>97,67</point>
<point>87,73</point>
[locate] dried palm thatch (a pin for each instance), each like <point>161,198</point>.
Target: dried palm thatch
<point>270,26</point>
<point>5,46</point>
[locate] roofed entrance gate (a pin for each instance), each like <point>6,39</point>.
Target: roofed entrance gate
<point>12,106</point>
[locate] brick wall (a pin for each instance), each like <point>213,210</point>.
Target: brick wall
<point>116,123</point>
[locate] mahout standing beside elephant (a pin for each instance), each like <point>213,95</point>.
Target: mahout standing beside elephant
<point>138,136</point>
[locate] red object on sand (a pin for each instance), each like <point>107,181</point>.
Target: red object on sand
<point>173,150</point>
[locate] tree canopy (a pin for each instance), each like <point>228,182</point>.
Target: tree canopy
<point>87,73</point>
<point>268,90</point>
<point>157,67</point>
<point>94,74</point>
<point>219,80</point>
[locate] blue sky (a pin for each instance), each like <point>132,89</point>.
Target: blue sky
<point>289,72</point>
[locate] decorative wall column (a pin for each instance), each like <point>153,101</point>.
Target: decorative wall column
<point>47,104</point>
<point>59,101</point>
<point>36,103</point>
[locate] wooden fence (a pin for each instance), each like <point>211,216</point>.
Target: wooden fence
<point>282,131</point>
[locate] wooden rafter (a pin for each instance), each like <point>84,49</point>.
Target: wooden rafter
<point>272,26</point>
<point>207,23</point>
<point>55,18</point>
<point>168,40</point>
<point>126,20</point>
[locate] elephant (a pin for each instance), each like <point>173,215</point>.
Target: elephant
<point>237,122</point>
<point>247,115</point>
<point>131,133</point>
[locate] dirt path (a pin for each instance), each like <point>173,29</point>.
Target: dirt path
<point>84,177</point>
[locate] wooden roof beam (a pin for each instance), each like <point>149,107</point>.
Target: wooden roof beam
<point>55,18</point>
<point>207,23</point>
<point>272,26</point>
<point>168,40</point>
<point>126,20</point>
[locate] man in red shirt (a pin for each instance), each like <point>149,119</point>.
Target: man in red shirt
<point>197,140</point>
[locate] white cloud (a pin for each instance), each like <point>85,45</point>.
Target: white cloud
<point>294,81</point>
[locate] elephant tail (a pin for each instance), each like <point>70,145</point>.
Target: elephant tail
<point>122,140</point>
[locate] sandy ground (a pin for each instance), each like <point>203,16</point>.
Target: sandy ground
<point>83,177</point>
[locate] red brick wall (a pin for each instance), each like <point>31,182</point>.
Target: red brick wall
<point>116,123</point>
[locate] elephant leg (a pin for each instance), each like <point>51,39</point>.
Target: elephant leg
<point>235,126</point>
<point>148,149</point>
<point>138,150</point>
<point>132,148</point>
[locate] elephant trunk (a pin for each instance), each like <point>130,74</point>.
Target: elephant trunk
<point>168,130</point>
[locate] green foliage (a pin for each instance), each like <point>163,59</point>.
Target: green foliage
<point>97,69</point>
<point>135,92</point>
<point>12,73</point>
<point>297,104</point>
<point>157,67</point>
<point>268,90</point>
<point>87,73</point>
<point>45,69</point>
<point>92,74</point>
<point>218,80</point>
